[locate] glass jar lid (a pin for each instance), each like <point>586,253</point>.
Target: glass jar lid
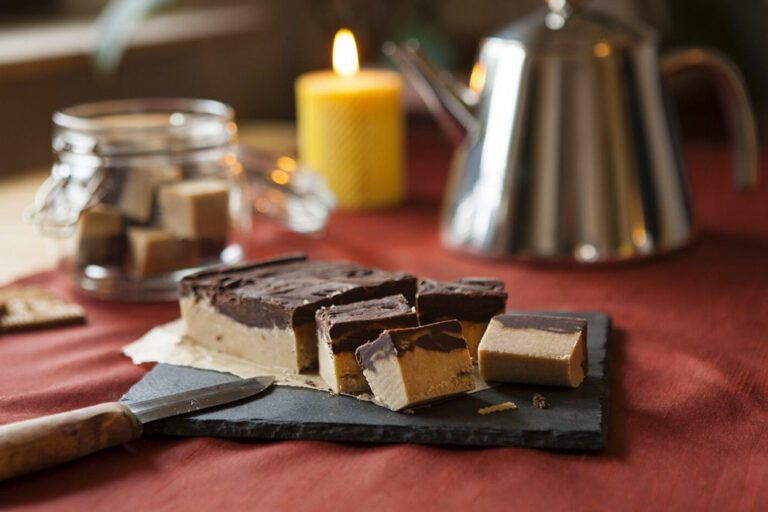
<point>117,128</point>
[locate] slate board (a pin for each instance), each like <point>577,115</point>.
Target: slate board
<point>575,421</point>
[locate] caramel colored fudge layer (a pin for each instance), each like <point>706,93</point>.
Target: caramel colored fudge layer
<point>196,209</point>
<point>408,367</point>
<point>342,329</point>
<point>265,311</point>
<point>140,190</point>
<point>473,301</point>
<point>531,349</point>
<point>101,236</point>
<point>154,251</point>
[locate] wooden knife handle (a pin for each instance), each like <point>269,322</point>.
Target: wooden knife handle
<point>39,443</point>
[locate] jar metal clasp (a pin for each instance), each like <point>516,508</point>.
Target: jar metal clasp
<point>61,199</point>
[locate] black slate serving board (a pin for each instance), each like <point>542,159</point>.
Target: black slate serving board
<point>576,419</point>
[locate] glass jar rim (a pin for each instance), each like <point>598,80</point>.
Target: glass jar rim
<point>131,127</point>
<point>89,116</point>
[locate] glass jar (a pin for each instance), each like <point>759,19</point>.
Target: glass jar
<point>145,191</point>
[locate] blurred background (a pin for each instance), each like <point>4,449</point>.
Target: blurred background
<point>249,52</point>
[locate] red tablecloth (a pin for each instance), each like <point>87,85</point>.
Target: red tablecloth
<point>688,425</point>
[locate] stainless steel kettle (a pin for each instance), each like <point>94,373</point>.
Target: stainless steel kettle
<point>566,151</point>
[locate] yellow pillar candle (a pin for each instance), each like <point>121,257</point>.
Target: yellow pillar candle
<point>351,129</point>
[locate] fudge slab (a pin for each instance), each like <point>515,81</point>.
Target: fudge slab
<point>473,301</point>
<point>196,208</point>
<point>342,329</point>
<point>530,349</point>
<point>265,311</point>
<point>412,366</point>
<point>155,251</point>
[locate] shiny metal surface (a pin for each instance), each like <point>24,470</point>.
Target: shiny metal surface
<point>570,153</point>
<point>197,399</point>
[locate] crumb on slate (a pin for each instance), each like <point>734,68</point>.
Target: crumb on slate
<point>407,411</point>
<point>504,406</point>
<point>540,402</point>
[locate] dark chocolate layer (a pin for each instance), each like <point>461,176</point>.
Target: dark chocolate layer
<point>285,292</point>
<point>439,336</point>
<point>207,281</point>
<point>558,324</point>
<point>473,298</point>
<point>348,326</point>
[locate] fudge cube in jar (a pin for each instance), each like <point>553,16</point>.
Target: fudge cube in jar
<point>155,251</point>
<point>196,209</point>
<point>101,236</point>
<point>139,190</point>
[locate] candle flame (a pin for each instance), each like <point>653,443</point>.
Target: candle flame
<point>345,61</point>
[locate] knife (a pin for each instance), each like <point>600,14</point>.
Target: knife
<point>27,446</point>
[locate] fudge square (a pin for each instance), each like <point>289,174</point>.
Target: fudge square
<point>155,251</point>
<point>196,208</point>
<point>265,311</point>
<point>531,349</point>
<point>473,301</point>
<point>408,367</point>
<point>137,201</point>
<point>341,329</point>
<point>102,236</point>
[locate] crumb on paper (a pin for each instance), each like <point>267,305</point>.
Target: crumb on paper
<point>503,406</point>
<point>407,411</point>
<point>310,383</point>
<point>539,401</point>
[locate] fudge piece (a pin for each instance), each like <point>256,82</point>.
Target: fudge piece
<point>341,329</point>
<point>155,251</point>
<point>265,311</point>
<point>102,236</point>
<point>407,367</point>
<point>196,209</point>
<point>533,349</point>
<point>473,301</point>
<point>140,189</point>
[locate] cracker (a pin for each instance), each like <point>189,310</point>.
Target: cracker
<point>29,308</point>
<point>503,406</point>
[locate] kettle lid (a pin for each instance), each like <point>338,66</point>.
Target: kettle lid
<point>565,23</point>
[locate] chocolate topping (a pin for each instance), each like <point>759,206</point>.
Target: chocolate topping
<point>349,326</point>
<point>440,336</point>
<point>471,298</point>
<point>207,280</point>
<point>558,324</point>
<point>287,291</point>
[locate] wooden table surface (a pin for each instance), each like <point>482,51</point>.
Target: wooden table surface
<point>22,251</point>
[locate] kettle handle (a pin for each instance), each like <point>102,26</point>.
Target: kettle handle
<point>735,100</point>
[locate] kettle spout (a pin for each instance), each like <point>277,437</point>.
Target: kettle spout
<point>450,102</point>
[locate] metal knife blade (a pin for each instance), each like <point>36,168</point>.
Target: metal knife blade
<point>196,399</point>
